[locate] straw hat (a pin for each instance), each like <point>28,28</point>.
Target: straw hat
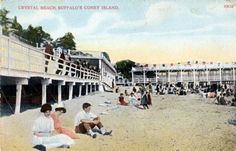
<point>60,107</point>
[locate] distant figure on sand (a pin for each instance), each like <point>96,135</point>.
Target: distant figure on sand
<point>144,100</point>
<point>132,99</point>
<point>85,121</point>
<point>122,100</point>
<point>59,110</point>
<point>44,136</point>
<point>149,87</point>
<point>126,93</point>
<point>149,98</point>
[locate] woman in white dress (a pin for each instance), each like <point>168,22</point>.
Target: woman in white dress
<point>44,136</point>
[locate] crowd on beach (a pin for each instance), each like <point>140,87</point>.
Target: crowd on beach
<point>140,97</point>
<point>222,93</point>
<point>48,131</point>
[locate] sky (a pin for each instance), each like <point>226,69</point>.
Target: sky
<point>144,31</point>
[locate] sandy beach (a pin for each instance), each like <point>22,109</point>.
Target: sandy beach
<point>173,123</point>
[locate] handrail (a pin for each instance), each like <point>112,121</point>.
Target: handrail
<point>16,55</point>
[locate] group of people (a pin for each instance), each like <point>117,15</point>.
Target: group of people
<point>64,61</point>
<point>48,131</point>
<point>142,97</point>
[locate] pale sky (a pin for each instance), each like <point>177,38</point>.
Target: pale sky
<point>144,31</point>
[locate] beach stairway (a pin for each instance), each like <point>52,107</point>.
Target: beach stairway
<point>106,87</point>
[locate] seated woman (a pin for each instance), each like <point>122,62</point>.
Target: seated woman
<point>59,110</point>
<point>122,100</point>
<point>44,136</point>
<point>132,99</point>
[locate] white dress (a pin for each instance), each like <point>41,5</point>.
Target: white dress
<point>44,126</point>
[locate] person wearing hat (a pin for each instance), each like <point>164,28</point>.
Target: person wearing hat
<point>59,110</point>
<point>85,121</point>
<point>44,136</point>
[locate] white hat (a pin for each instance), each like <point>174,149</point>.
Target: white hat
<point>60,106</point>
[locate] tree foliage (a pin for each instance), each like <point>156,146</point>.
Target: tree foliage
<point>35,35</point>
<point>105,54</point>
<point>4,21</point>
<point>66,42</point>
<point>16,27</point>
<point>124,67</point>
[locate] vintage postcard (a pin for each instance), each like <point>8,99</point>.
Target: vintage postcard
<point>118,75</point>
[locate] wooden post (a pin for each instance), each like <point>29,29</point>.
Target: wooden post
<point>45,82</point>
<point>19,82</point>
<point>80,90</point>
<point>18,98</point>
<point>60,83</point>
<point>71,84</point>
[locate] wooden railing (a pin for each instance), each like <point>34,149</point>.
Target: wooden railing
<point>17,56</point>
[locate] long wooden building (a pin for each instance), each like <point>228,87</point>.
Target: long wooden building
<point>195,73</point>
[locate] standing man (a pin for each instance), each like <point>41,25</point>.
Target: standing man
<point>85,121</point>
<point>48,55</point>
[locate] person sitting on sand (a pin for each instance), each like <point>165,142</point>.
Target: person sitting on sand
<point>44,136</point>
<point>132,99</point>
<point>59,110</point>
<point>122,100</point>
<point>85,121</point>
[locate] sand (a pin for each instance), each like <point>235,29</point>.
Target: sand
<point>173,123</point>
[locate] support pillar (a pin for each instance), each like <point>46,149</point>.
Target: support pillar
<point>207,76</point>
<point>19,83</point>
<point>234,75</point>
<point>156,78</point>
<point>91,88</point>
<point>71,84</point>
<point>168,76</point>
<point>86,88</point>
<point>18,98</point>
<point>144,77</point>
<point>132,77</point>
<point>60,83</point>
<point>181,76</point>
<point>44,83</point>
<point>194,79</point>
<point>220,76</point>
<point>80,90</point>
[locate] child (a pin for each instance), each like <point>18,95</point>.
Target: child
<point>122,100</point>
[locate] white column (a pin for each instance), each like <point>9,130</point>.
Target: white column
<point>144,78</point>
<point>220,75</point>
<point>18,98</point>
<point>71,90</point>
<point>194,79</point>
<point>156,77</point>
<point>44,93</point>
<point>19,82</point>
<point>59,92</point>
<point>207,75</point>
<point>234,75</point>
<point>86,89</point>
<point>80,90</point>
<point>132,77</point>
<point>60,83</point>
<point>181,76</point>
<point>45,82</point>
<point>91,88</point>
<point>168,76</point>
